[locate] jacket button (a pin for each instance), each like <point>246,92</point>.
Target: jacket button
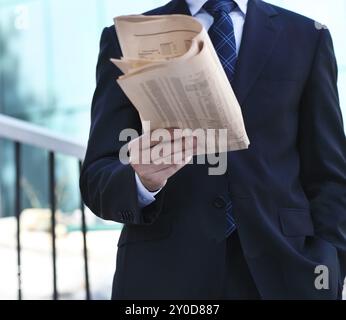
<point>219,203</point>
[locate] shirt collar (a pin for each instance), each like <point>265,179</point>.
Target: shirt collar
<point>196,5</point>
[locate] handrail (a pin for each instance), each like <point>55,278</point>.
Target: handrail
<point>24,133</point>
<point>27,133</point>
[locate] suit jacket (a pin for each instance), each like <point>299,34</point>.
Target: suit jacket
<point>288,189</point>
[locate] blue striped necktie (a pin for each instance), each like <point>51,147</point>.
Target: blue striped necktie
<point>222,36</point>
<point>222,33</point>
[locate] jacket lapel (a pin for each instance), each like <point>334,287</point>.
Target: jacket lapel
<point>259,37</point>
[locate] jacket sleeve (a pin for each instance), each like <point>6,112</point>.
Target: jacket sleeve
<point>108,187</point>
<point>323,149</point>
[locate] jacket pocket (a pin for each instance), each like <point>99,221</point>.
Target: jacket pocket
<point>160,229</point>
<point>296,222</point>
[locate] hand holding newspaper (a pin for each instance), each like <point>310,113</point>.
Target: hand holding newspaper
<point>174,78</point>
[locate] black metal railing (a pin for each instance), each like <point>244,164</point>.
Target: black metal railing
<point>22,133</point>
<point>53,208</point>
<point>18,157</point>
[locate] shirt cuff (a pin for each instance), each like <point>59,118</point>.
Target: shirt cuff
<point>145,197</point>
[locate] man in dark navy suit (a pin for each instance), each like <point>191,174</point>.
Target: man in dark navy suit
<point>273,226</point>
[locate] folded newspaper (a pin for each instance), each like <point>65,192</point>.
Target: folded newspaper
<point>174,78</point>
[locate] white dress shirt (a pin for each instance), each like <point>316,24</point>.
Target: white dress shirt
<point>145,197</point>
<point>237,15</point>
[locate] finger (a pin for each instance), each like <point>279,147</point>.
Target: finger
<point>148,169</point>
<point>178,150</point>
<point>175,158</point>
<point>142,142</point>
<point>152,138</point>
<point>168,172</point>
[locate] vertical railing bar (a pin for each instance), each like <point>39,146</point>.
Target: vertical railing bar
<point>18,211</point>
<point>85,247</point>
<point>53,219</point>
